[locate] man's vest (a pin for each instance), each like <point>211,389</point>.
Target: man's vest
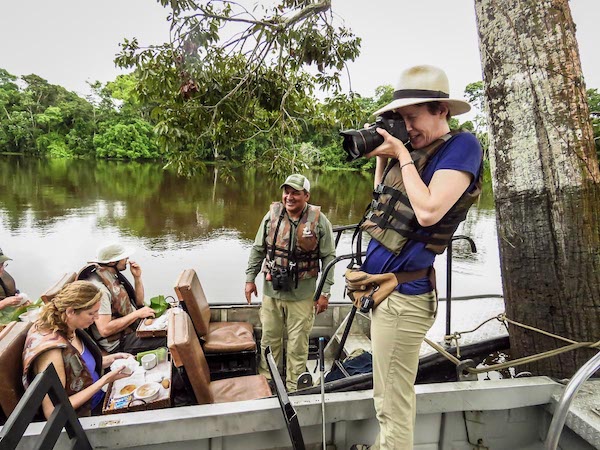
<point>78,376</point>
<point>8,287</point>
<point>122,294</point>
<point>281,251</point>
<point>391,219</point>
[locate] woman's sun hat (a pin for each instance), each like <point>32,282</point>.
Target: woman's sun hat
<point>112,252</point>
<point>422,84</point>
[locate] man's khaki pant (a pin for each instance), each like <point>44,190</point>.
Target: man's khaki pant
<point>297,318</point>
<point>398,327</point>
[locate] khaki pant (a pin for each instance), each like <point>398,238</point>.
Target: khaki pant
<point>398,327</point>
<point>297,318</point>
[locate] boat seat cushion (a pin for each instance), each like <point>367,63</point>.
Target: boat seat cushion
<point>238,389</point>
<point>12,340</point>
<point>186,352</point>
<point>51,292</point>
<point>217,337</point>
<point>190,292</point>
<point>227,337</point>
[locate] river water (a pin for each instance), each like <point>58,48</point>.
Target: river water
<point>54,214</point>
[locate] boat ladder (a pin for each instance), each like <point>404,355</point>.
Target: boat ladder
<point>63,416</point>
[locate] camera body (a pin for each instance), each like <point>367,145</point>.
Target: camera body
<point>366,303</point>
<point>359,142</point>
<point>281,278</point>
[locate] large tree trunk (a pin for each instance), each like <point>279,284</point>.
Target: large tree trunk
<point>546,176</point>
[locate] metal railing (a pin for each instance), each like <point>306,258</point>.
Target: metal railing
<point>63,416</point>
<point>289,413</point>
<point>562,408</point>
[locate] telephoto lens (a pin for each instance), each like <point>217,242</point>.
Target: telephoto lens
<point>357,143</point>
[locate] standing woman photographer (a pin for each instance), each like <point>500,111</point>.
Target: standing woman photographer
<point>422,194</point>
<point>58,338</point>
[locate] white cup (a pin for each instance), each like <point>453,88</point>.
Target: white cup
<point>149,361</point>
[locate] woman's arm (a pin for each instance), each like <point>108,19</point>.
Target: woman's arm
<point>77,400</point>
<point>380,165</point>
<point>430,203</point>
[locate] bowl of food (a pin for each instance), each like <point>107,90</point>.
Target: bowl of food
<point>147,391</point>
<point>126,390</point>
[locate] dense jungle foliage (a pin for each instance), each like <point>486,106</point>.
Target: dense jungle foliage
<point>42,119</point>
<point>234,83</point>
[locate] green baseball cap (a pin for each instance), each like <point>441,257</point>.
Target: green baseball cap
<point>3,257</point>
<point>297,181</point>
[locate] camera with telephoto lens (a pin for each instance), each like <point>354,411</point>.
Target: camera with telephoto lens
<point>359,142</point>
<point>281,278</point>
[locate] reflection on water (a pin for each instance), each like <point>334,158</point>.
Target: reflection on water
<point>54,214</point>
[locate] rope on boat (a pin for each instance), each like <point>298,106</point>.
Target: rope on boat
<point>573,345</point>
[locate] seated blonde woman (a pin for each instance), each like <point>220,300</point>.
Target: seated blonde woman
<point>58,338</point>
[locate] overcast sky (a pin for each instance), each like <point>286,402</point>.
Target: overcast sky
<point>69,42</point>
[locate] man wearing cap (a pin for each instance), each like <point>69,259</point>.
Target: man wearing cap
<point>9,294</point>
<point>295,240</point>
<point>423,190</point>
<point>118,316</point>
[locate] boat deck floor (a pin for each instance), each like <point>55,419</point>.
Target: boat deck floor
<point>584,414</point>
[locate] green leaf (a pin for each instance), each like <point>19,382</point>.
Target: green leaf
<point>159,305</point>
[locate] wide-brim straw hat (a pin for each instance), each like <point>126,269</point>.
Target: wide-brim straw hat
<point>112,253</point>
<point>422,84</point>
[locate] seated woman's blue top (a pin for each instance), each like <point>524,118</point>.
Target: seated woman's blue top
<point>90,362</point>
<point>463,153</point>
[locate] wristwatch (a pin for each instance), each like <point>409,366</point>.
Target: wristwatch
<point>326,295</point>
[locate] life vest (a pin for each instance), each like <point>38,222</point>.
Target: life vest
<point>8,287</point>
<point>77,374</point>
<point>390,218</point>
<point>300,255</point>
<point>122,296</point>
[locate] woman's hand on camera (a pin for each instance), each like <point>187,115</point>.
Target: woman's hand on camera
<point>390,148</point>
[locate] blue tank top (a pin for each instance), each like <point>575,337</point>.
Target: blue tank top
<point>90,363</point>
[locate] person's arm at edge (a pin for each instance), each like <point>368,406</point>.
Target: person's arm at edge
<point>255,260</point>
